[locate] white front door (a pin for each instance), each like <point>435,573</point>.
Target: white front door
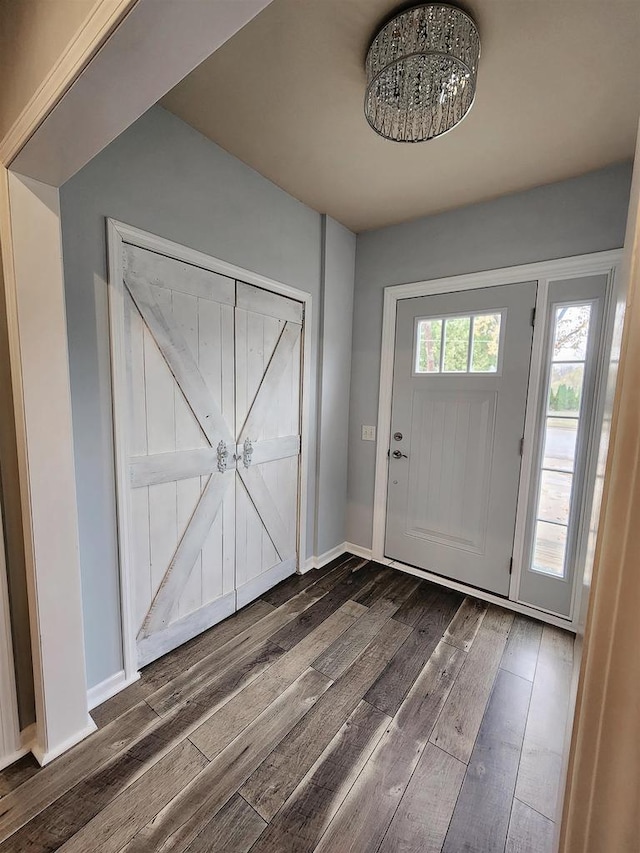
<point>212,444</point>
<point>460,383</point>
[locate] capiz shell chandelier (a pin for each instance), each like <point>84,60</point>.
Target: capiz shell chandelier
<point>421,73</point>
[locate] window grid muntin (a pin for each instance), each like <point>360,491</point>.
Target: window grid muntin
<point>442,319</point>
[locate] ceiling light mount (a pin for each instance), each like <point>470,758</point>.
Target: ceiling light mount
<point>421,73</point>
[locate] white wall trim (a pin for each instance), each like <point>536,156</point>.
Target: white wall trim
<point>102,20</point>
<point>604,263</point>
<point>10,741</point>
<point>360,551</point>
<point>34,286</point>
<point>99,693</point>
<point>26,741</point>
<point>560,268</point>
<point>323,559</point>
<point>120,67</point>
<point>46,757</point>
<point>118,233</point>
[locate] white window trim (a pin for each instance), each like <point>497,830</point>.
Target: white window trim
<point>598,263</point>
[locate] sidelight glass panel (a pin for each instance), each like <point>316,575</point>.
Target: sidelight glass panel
<point>555,497</point>
<point>561,425</point>
<point>565,388</point>
<point>485,343</point>
<point>429,346</point>
<point>456,344</point>
<point>549,549</point>
<point>560,444</point>
<point>571,332</point>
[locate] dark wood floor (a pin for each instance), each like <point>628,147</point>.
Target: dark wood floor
<point>354,708</point>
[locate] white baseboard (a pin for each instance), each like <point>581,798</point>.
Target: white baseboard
<point>44,758</point>
<point>359,551</point>
<point>328,556</point>
<point>108,688</point>
<point>323,559</point>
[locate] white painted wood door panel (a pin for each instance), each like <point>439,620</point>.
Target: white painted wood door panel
<point>268,379</point>
<point>180,364</point>
<point>452,491</point>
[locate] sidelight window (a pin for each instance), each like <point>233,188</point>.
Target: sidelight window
<point>562,423</point>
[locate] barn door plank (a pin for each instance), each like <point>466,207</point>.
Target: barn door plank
<point>263,400</point>
<point>168,467</point>
<point>179,357</point>
<point>266,508</point>
<point>185,555</point>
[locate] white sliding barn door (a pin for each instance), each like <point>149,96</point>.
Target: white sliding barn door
<point>268,361</point>
<point>211,444</point>
<point>180,362</point>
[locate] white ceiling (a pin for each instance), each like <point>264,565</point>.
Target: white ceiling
<point>558,95</point>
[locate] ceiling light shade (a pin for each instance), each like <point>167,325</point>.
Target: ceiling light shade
<point>421,73</point>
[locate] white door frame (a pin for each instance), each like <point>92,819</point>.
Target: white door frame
<point>117,234</point>
<point>10,741</point>
<point>599,263</point>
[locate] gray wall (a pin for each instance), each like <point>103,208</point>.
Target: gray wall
<point>578,216</point>
<point>164,177</point>
<point>339,256</point>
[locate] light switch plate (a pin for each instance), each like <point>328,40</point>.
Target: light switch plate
<point>368,433</point>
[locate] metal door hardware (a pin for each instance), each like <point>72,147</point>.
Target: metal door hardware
<point>397,436</point>
<point>223,455</point>
<point>398,454</point>
<point>247,450</point>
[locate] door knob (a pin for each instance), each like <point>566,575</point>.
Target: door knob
<point>398,454</point>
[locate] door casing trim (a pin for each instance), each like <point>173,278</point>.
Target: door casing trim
<point>119,233</point>
<point>597,263</point>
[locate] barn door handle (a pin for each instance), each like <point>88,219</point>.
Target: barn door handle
<point>247,450</point>
<point>223,455</point>
<point>398,454</point>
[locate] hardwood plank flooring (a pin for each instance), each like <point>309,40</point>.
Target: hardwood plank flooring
<point>458,726</point>
<point>521,653</point>
<point>539,773</point>
<point>529,832</point>
<point>276,778</point>
<point>422,818</point>
<point>402,670</point>
<point>353,708</point>
<point>235,827</point>
<point>481,817</point>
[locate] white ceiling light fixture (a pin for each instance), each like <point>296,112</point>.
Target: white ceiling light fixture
<point>421,73</point>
